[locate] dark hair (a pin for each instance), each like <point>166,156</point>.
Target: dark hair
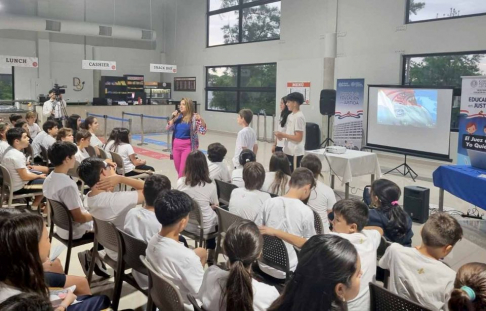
<point>113,134</point>
<point>324,261</point>
<point>26,302</point>
<point>172,206</point>
<point>155,184</point>
<point>82,134</point>
<point>196,170</point>
<point>441,230</point>
<point>353,211</point>
<point>472,275</point>
<point>72,122</point>
<point>284,114</point>
<point>301,177</point>
<point>313,163</point>
<point>60,150</point>
<point>63,132</point>
<point>14,117</point>
<point>122,136</point>
<point>242,244</point>
<point>3,127</point>
<point>246,156</point>
<point>19,245</point>
<point>216,152</point>
<point>388,192</point>
<point>87,122</point>
<point>247,115</point>
<point>253,176</point>
<point>296,97</point>
<point>13,134</point>
<point>49,125</point>
<point>89,170</point>
<point>279,163</point>
<point>20,123</point>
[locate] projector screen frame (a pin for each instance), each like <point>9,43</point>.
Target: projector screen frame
<point>410,152</point>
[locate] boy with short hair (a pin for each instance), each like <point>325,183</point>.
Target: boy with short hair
<point>181,265</point>
<point>14,117</point>
<point>34,128</point>
<point>46,138</point>
<point>294,136</point>
<point>418,273</point>
<point>246,138</point>
<point>217,168</point>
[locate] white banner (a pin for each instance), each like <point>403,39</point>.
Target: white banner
<point>99,65</point>
<point>163,68</point>
<point>18,61</point>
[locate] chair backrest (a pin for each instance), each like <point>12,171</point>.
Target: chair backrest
<point>44,154</point>
<point>226,219</point>
<point>7,178</point>
<point>195,214</point>
<point>318,223</point>
<point>134,249</point>
<point>107,235</point>
<point>164,293</point>
<point>384,244</point>
<point>73,172</point>
<point>194,303</point>
<point>119,162</point>
<point>60,215</point>
<point>29,151</point>
<point>384,300</point>
<point>103,154</point>
<point>224,190</point>
<point>91,151</point>
<point>275,253</point>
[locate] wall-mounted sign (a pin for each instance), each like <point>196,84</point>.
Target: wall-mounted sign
<point>99,65</point>
<point>18,61</point>
<point>300,87</point>
<point>185,84</point>
<point>163,68</point>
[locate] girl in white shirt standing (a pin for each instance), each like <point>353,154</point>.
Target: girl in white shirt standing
<point>282,124</point>
<point>278,178</point>
<point>235,289</point>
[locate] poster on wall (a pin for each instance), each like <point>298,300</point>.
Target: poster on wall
<point>348,120</point>
<point>472,120</point>
<point>98,65</point>
<point>18,61</point>
<point>300,87</point>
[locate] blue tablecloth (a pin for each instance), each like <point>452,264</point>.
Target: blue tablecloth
<point>464,182</point>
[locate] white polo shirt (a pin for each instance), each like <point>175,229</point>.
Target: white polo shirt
<point>248,204</point>
<point>295,122</point>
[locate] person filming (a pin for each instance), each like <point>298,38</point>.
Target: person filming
<point>54,108</point>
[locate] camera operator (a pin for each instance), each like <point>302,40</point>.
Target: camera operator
<point>52,108</point>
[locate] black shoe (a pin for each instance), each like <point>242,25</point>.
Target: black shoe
<point>100,269</point>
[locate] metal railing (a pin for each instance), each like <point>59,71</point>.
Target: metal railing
<point>106,118</point>
<point>142,117</point>
<point>265,138</point>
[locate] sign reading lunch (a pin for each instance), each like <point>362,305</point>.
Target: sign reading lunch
<point>163,68</point>
<point>99,65</point>
<point>18,61</point>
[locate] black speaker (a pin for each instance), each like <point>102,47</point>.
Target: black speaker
<point>312,136</point>
<point>328,102</point>
<point>416,203</point>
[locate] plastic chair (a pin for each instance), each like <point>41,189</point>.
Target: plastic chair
<point>162,292</point>
<point>195,217</point>
<point>91,151</point>
<point>7,183</point>
<point>61,216</point>
<point>29,152</point>
<point>275,254</point>
<point>74,174</point>
<point>384,244</point>
<point>194,303</point>
<point>134,249</point>
<point>224,191</point>
<point>120,167</point>
<point>103,154</point>
<point>43,154</point>
<point>318,223</point>
<point>225,220</point>
<point>384,300</point>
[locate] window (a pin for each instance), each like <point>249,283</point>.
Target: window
<point>430,10</point>
<point>232,88</point>
<point>6,83</point>
<point>444,70</point>
<point>242,21</point>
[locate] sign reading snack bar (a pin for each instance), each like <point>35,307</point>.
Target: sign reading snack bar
<point>99,65</point>
<point>18,61</point>
<point>163,68</point>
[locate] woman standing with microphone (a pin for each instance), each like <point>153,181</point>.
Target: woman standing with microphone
<point>186,124</point>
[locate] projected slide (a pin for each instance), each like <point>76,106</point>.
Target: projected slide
<point>407,107</point>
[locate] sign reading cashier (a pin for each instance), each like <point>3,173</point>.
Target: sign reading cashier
<point>99,65</point>
<point>163,68</point>
<point>18,61</point>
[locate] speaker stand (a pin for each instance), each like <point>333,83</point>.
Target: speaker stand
<point>407,170</point>
<point>327,142</point>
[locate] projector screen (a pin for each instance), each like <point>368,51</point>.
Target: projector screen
<point>413,119</point>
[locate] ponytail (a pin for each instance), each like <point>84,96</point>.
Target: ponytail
<point>460,301</point>
<point>469,293</point>
<point>239,290</point>
<point>397,219</point>
<point>279,183</point>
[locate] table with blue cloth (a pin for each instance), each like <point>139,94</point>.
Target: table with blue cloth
<point>463,181</point>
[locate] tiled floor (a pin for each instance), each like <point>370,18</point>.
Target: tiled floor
<point>465,251</point>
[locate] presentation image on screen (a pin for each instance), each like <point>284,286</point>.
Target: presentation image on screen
<point>407,107</point>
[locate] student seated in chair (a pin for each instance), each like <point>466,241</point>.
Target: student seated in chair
<point>45,138</point>
<point>217,168</point>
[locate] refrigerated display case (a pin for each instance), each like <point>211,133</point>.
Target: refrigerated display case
<point>157,92</point>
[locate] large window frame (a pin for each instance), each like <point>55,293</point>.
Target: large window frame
<point>238,89</point>
<point>239,7</point>
<point>407,16</point>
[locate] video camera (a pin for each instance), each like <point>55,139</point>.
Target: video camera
<point>59,89</point>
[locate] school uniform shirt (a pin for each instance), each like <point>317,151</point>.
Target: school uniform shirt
<point>215,279</point>
<point>366,243</point>
<point>269,179</point>
<point>7,291</point>
<point>47,141</point>
<point>295,122</point>
<point>14,160</point>
<point>291,216</point>
<point>3,146</point>
<point>108,149</point>
<point>219,171</point>
<point>321,200</point>
<point>417,277</point>
<point>282,129</point>
<point>248,204</point>
<point>177,263</point>
<point>379,219</point>
<point>60,187</point>
<point>34,129</point>
<point>81,155</point>
<point>125,151</point>
<point>112,207</point>
<point>95,141</point>
<point>37,142</point>
<point>237,178</point>
<point>143,225</point>
<point>246,139</point>
<point>205,195</point>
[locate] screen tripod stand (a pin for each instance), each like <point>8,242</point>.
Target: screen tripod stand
<point>327,142</point>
